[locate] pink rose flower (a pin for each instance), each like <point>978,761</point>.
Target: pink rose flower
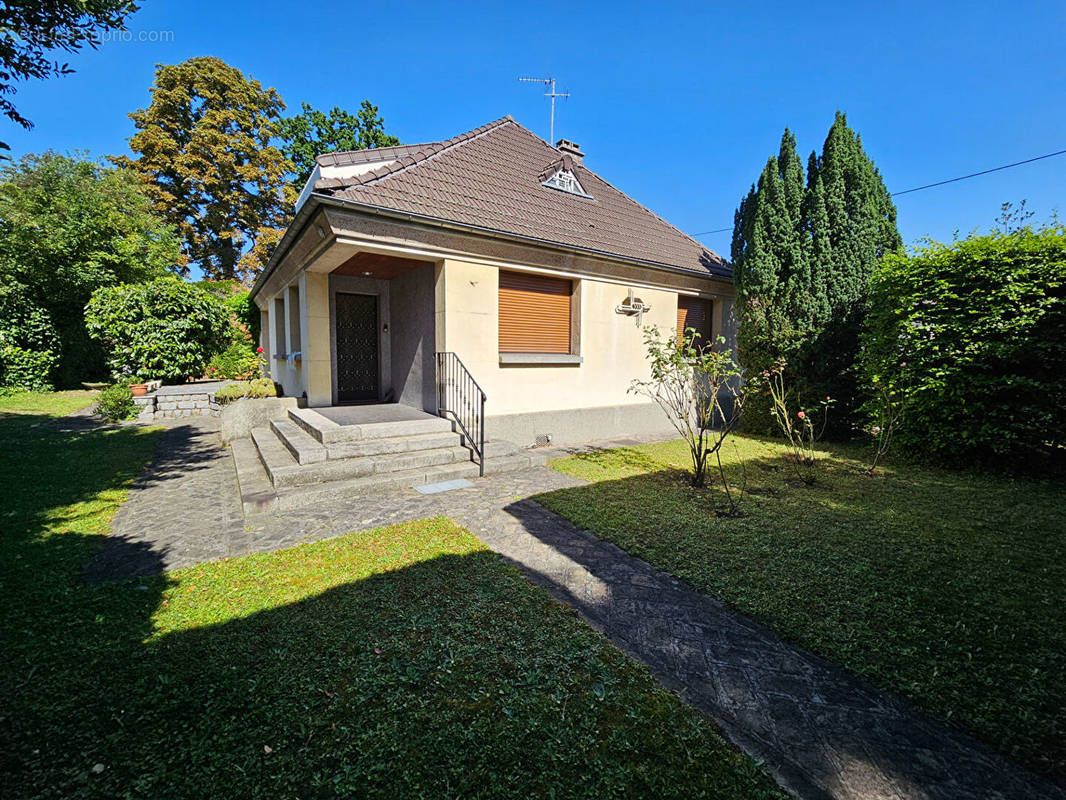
<point>801,415</point>
<point>259,349</point>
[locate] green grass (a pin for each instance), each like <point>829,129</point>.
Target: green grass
<point>52,404</point>
<point>946,587</point>
<point>399,662</point>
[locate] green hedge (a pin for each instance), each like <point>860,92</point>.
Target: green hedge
<point>29,344</point>
<point>970,340</point>
<point>166,329</point>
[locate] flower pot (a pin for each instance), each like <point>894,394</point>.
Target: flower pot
<point>139,389</point>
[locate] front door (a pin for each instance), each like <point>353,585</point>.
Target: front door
<point>357,348</point>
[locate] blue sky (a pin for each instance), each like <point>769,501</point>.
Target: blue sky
<point>677,104</point>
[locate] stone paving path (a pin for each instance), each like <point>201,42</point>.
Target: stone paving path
<point>822,732</point>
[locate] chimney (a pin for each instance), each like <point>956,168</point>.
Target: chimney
<point>571,149</point>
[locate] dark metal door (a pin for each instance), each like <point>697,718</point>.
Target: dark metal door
<point>357,348</point>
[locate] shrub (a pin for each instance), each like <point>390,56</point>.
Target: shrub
<point>239,361</point>
<point>26,369</point>
<point>698,388</point>
<point>969,342</point>
<point>116,403</point>
<point>29,344</point>
<point>258,388</point>
<point>230,392</point>
<point>262,387</point>
<point>246,313</point>
<point>165,329</point>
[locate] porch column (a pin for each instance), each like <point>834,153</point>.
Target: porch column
<point>315,337</point>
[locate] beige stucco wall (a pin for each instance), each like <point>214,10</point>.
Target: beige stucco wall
<point>465,305</point>
<point>610,344</point>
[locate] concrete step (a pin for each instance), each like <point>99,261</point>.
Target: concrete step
<point>392,444</point>
<point>329,432</point>
<point>259,494</point>
<point>276,458</point>
<point>495,448</point>
<point>315,494</point>
<point>304,448</point>
<point>256,491</point>
<point>344,468</point>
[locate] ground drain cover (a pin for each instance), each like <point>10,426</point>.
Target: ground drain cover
<point>443,486</point>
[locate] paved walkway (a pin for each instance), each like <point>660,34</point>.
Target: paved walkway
<point>822,732</point>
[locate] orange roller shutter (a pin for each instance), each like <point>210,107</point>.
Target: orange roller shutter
<point>694,312</point>
<point>534,313</point>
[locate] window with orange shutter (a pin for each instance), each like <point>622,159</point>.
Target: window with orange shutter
<point>534,313</point>
<point>695,312</point>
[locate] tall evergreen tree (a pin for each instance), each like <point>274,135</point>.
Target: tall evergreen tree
<point>769,258</point>
<point>803,254</point>
<point>205,154</point>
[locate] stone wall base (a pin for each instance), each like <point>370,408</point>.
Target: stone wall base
<point>194,404</point>
<point>579,425</point>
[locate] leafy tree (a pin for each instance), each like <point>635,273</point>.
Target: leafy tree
<point>33,29</point>
<point>803,254</point>
<point>67,227</point>
<point>205,154</point>
<point>314,132</point>
<point>165,329</point>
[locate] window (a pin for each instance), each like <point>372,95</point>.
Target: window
<point>695,312</point>
<point>279,328</point>
<point>566,181</point>
<point>534,313</point>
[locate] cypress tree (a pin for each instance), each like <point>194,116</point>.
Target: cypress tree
<point>803,253</point>
<point>769,257</point>
<point>852,223</point>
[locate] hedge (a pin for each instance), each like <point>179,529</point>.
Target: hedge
<point>166,329</point>
<point>969,339</point>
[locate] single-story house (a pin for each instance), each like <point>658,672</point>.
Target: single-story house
<point>491,261</point>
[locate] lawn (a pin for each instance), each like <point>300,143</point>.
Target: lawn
<point>49,404</point>
<point>947,587</point>
<point>399,662</point>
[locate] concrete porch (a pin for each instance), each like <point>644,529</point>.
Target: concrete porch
<point>318,454</point>
<point>354,327</point>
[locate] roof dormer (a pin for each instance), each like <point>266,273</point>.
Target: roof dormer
<point>562,175</point>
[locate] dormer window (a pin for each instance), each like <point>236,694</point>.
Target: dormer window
<point>564,180</point>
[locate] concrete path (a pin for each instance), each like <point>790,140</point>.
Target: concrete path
<point>822,732</point>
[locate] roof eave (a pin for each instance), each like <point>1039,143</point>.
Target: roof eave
<point>514,237</point>
<point>315,200</point>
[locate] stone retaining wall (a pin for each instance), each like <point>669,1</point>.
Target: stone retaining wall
<point>193,404</point>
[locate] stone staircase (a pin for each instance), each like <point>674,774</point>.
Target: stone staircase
<point>308,458</point>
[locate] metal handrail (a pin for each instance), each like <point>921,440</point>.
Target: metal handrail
<point>460,396</point>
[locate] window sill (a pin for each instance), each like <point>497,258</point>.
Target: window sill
<point>540,359</point>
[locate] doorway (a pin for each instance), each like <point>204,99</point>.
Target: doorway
<point>358,357</point>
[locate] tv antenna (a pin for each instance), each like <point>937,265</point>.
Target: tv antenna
<point>550,83</point>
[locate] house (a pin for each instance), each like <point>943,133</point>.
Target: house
<point>490,269</point>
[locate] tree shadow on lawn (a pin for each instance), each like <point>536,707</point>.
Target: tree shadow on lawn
<point>444,677</point>
<point>945,588</point>
<point>423,681</point>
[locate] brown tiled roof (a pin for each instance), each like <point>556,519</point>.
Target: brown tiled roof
<point>346,157</point>
<point>491,177</point>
